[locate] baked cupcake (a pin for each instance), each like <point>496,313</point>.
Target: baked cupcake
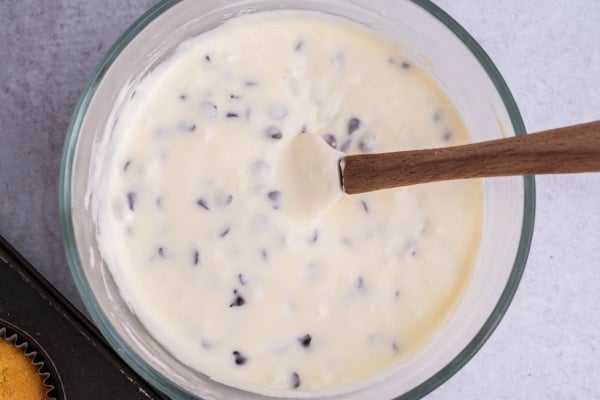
<point>20,377</point>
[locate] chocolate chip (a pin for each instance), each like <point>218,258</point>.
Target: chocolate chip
<point>242,279</point>
<point>225,232</point>
<point>346,145</point>
<point>238,300</point>
<point>250,83</point>
<point>162,252</point>
<point>404,64</point>
<point>126,165</point>
<point>367,143</point>
<point>131,200</point>
<point>202,203</point>
<point>275,197</point>
<point>299,46</point>
<point>295,380</point>
<point>187,127</point>
<point>239,358</point>
<point>183,97</point>
<point>207,58</point>
<point>365,206</point>
<point>228,199</point>
<point>274,133</point>
<point>235,97</point>
<point>353,125</point>
<point>360,283</point>
<point>315,236</point>
<point>446,136</point>
<point>159,202</point>
<point>305,340</point>
<point>264,255</point>
<point>208,110</point>
<point>303,129</point>
<point>196,257</point>
<point>232,115</point>
<point>330,140</point>
<point>206,344</point>
<point>437,116</point>
<point>395,347</point>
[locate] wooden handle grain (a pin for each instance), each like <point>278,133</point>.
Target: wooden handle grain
<point>563,150</point>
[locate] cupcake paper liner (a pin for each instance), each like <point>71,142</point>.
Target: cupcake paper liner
<point>33,353</point>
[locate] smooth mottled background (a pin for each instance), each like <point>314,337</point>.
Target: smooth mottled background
<point>548,345</point>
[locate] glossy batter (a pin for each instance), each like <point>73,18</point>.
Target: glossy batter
<point>191,206</point>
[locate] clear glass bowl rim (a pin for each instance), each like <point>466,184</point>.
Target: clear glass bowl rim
<point>156,379</point>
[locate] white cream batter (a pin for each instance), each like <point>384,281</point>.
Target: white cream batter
<point>190,206</point>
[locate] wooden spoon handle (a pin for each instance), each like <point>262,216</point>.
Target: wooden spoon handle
<point>563,150</point>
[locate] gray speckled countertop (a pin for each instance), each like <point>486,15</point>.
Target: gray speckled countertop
<point>547,346</point>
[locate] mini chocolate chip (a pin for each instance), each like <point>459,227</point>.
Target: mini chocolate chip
<point>299,46</point>
<point>403,64</point>
<point>446,136</point>
<point>205,344</point>
<point>437,116</point>
<point>239,358</point>
<point>315,236</point>
<point>208,109</point>
<point>275,197</point>
<point>264,254</point>
<point>238,300</point>
<point>330,140</point>
<point>159,202</point>
<point>346,145</point>
<point>232,115</point>
<point>242,279</point>
<point>183,97</point>
<point>250,83</point>
<point>131,200</point>
<point>303,129</point>
<point>295,380</point>
<point>202,203</point>
<point>187,127</point>
<point>225,232</point>
<point>395,347</point>
<point>228,199</point>
<point>397,294</point>
<point>365,206</point>
<point>353,125</point>
<point>196,257</point>
<point>360,283</point>
<point>367,143</point>
<point>305,340</point>
<point>162,252</point>
<point>274,133</point>
<point>235,97</point>
<point>126,165</point>
<point>207,58</point>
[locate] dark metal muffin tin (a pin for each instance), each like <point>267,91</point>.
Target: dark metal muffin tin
<point>80,362</point>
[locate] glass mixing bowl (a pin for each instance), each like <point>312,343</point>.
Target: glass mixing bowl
<point>430,38</point>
